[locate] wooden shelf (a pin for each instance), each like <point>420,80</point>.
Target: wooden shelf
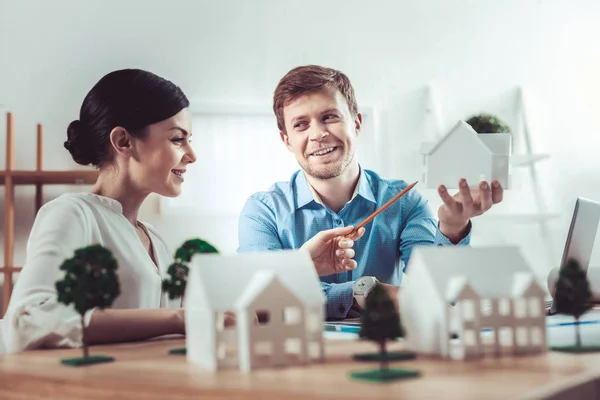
<point>10,178</point>
<point>8,270</point>
<point>52,177</point>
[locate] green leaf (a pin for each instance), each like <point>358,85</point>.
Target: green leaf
<point>178,271</point>
<point>90,279</point>
<point>487,123</point>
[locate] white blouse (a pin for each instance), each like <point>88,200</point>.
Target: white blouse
<point>34,318</point>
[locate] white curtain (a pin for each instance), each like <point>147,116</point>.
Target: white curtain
<point>238,155</point>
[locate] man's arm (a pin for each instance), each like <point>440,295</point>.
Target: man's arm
<point>421,229</point>
<point>257,228</point>
<point>257,231</point>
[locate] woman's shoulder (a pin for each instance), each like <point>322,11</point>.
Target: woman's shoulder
<point>68,203</point>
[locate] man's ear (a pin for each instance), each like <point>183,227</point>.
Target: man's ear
<point>358,123</point>
<point>285,139</point>
<point>120,140</point>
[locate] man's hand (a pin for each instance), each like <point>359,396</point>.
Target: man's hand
<point>331,251</point>
<point>456,211</point>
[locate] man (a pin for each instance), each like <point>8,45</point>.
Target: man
<point>318,120</point>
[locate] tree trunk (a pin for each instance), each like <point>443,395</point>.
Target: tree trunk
<point>85,348</point>
<point>384,355</point>
<point>577,334</point>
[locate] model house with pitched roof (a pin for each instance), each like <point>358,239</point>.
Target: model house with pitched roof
<point>463,153</point>
<point>278,305</point>
<point>464,302</point>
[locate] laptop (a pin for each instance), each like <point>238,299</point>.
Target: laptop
<point>581,237</point>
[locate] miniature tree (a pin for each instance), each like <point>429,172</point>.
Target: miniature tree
<point>380,322</point>
<point>90,281</point>
<point>487,123</point>
<point>572,294</point>
<point>178,271</point>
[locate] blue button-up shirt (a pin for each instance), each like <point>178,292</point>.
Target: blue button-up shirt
<point>288,214</point>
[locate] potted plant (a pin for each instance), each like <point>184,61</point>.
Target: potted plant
<point>488,123</point>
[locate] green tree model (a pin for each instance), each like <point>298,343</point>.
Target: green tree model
<point>90,281</point>
<point>380,322</point>
<point>177,272</point>
<point>572,295</point>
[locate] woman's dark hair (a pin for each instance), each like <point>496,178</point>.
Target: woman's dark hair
<point>130,98</point>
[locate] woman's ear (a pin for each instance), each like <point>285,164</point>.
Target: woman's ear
<point>120,140</point>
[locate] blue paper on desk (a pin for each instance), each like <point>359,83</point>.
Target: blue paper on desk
<point>560,329</point>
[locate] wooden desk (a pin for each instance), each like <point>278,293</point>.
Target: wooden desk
<point>145,370</point>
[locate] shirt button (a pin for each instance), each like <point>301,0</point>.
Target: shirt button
<point>338,221</point>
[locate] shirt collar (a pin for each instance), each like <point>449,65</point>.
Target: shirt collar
<point>306,193</point>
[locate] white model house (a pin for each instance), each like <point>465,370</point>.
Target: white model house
<point>463,153</point>
<point>277,301</point>
<point>487,297</point>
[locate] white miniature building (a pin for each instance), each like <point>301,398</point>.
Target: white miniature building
<point>281,287</point>
<point>486,296</point>
<point>463,153</point>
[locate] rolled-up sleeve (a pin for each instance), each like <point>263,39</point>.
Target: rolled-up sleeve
<point>34,318</point>
<point>421,228</point>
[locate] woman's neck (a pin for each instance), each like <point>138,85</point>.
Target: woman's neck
<point>115,186</point>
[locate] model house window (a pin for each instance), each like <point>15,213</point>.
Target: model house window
<point>486,307</point>
<point>469,337</point>
<point>503,307</point>
<point>239,152</point>
<point>534,307</point>
<point>522,336</point>
<point>536,336</point>
<point>468,310</point>
<point>520,308</point>
<point>291,315</point>
<point>262,317</point>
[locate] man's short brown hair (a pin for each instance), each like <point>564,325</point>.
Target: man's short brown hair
<point>309,79</point>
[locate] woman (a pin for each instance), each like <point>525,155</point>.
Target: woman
<point>135,127</point>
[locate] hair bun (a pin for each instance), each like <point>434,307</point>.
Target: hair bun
<point>78,144</point>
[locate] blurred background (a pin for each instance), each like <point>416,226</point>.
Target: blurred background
<point>417,67</point>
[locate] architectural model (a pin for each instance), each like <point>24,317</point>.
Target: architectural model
<point>472,302</point>
<point>278,305</point>
<point>463,153</point>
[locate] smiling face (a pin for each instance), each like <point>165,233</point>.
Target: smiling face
<point>321,132</point>
<point>159,160</point>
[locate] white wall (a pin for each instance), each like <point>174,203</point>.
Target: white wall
<point>475,52</point>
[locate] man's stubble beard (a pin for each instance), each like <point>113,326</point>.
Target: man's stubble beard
<point>330,171</point>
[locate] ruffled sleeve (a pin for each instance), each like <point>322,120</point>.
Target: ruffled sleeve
<point>34,318</point>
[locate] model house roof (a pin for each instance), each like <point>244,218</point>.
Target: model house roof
<point>260,281</point>
<point>223,280</point>
<point>494,143</point>
<point>499,271</point>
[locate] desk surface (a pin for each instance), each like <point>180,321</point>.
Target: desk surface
<point>146,370</point>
